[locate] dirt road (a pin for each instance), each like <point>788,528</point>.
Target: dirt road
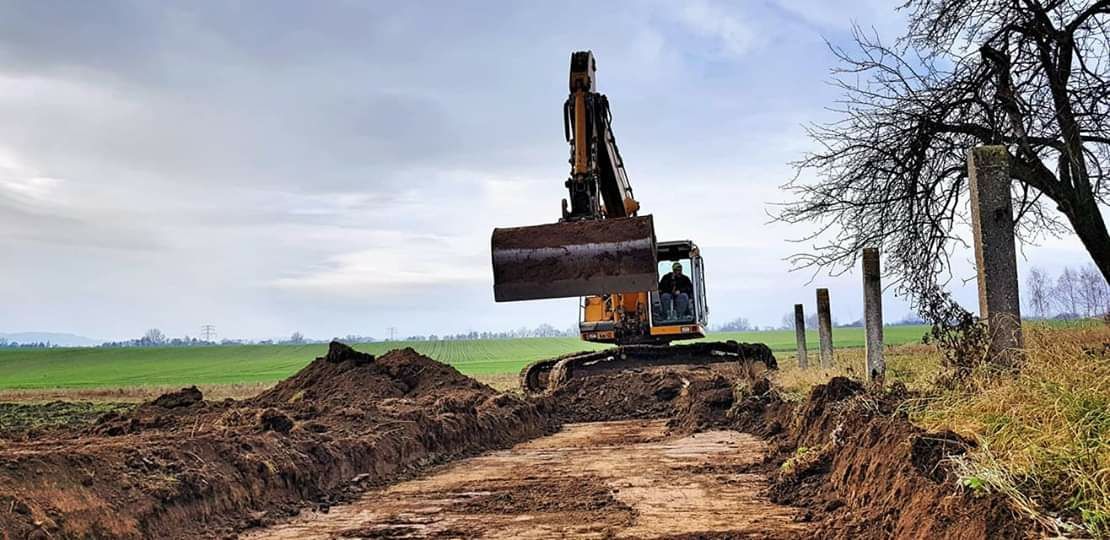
<point>594,480</point>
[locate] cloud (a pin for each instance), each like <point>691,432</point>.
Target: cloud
<point>30,191</point>
<point>734,36</point>
<point>837,17</point>
<point>37,209</point>
<point>397,264</point>
<point>280,166</point>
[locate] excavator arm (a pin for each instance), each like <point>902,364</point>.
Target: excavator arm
<point>599,246</point>
<point>597,168</point>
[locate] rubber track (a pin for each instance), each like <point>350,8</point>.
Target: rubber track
<point>545,375</point>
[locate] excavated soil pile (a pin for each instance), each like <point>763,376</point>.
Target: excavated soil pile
<point>646,393</point>
<point>859,466</point>
<point>182,467</point>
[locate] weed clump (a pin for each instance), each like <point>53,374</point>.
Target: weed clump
<point>1043,433</point>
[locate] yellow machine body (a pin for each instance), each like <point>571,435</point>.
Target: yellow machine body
<point>635,317</point>
<point>605,253</point>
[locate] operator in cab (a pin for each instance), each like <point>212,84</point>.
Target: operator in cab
<point>675,291</point>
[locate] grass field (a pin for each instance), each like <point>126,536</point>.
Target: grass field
<point>253,364</point>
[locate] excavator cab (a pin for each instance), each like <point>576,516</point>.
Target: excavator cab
<point>648,317</point>
<point>686,317</point>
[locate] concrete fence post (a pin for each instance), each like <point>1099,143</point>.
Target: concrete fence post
<point>824,327</point>
<point>873,316</point>
<point>992,222</point>
<point>800,335</point>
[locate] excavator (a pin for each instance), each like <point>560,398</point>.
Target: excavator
<point>603,251</point>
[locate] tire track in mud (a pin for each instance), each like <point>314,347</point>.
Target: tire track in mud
<point>624,479</point>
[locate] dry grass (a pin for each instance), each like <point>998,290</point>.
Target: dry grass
<point>130,394</point>
<point>1044,434</point>
<point>502,382</point>
<point>913,365</point>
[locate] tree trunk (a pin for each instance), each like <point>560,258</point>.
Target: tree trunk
<point>1080,207</point>
<point>1091,229</point>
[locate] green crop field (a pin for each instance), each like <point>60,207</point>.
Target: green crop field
<point>166,366</point>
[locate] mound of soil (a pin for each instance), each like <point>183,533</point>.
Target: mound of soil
<point>710,403</point>
<point>647,393</point>
<point>355,378</point>
<point>182,467</point>
<point>860,467</point>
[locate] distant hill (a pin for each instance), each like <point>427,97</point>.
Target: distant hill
<point>56,338</point>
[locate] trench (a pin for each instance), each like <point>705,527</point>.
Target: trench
<point>623,479</point>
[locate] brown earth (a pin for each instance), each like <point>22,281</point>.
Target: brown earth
<point>645,393</point>
<point>857,464</point>
<point>182,467</point>
<point>351,427</point>
<point>624,479</point>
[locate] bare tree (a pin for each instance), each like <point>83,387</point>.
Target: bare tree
<point>1094,292</point>
<point>1038,291</point>
<point>1032,75</point>
<point>154,336</point>
<point>739,324</point>
<point>788,321</point>
<point>1066,294</point>
<point>545,330</point>
<point>812,321</point>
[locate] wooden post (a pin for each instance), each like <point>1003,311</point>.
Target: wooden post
<point>873,316</point>
<point>824,327</point>
<point>800,335</point>
<point>992,222</point>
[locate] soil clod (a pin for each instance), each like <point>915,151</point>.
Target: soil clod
<point>181,398</point>
<point>274,420</point>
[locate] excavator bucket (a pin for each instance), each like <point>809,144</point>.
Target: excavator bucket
<point>574,258</point>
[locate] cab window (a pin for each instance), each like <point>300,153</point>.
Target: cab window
<point>674,301</point>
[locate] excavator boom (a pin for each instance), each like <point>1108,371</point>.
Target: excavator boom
<point>599,246</point>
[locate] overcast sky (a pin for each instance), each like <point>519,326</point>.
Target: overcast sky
<point>337,167</point>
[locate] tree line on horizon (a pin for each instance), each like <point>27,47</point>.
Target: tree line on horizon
<point>154,337</point>
<point>1074,294</point>
<point>6,344</point>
